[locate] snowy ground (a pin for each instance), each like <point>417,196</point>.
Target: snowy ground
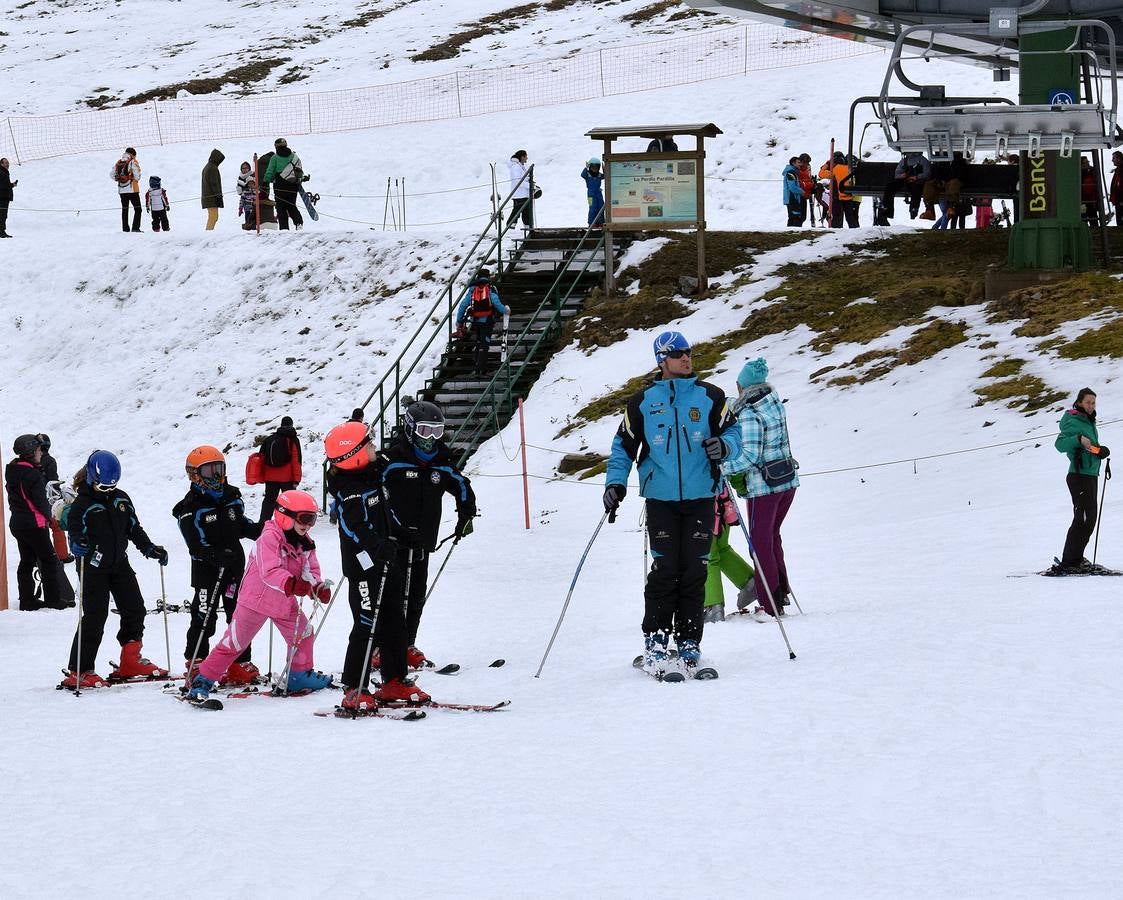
<point>945,731</point>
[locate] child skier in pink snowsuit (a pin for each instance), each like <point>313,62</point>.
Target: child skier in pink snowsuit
<point>281,569</point>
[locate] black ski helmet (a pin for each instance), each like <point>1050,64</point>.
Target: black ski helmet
<point>45,441</point>
<point>424,426</point>
<point>26,445</point>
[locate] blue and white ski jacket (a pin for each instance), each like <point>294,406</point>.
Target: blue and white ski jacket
<point>662,432</point>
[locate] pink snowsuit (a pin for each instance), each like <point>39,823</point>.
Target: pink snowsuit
<point>273,560</point>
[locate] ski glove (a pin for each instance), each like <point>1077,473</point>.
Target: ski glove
<point>463,525</point>
<point>715,448</point>
<point>322,591</point>
<point>157,553</point>
<point>79,547</point>
<point>613,495</point>
<point>1104,452</point>
<point>297,587</point>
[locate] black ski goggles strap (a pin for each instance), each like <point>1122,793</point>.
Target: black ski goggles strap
<point>335,460</point>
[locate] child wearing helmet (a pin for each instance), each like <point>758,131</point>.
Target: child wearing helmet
<point>594,178</point>
<point>212,519</point>
<point>367,554</point>
<point>281,570</point>
<point>100,524</point>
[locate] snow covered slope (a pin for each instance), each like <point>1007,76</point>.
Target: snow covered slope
<point>945,731</point>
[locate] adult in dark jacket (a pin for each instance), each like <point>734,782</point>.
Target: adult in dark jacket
<point>280,476</point>
<point>212,520</point>
<point>101,523</point>
<point>1080,441</point>
<point>286,173</point>
<point>6,196</point>
<point>676,432</point>
<point>663,144</point>
<point>1115,192</point>
<point>212,188</point>
<point>29,522</point>
<point>49,464</point>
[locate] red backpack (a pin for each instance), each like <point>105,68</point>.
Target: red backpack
<point>481,301</point>
<point>124,176</point>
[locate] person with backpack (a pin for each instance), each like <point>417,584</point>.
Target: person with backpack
<point>281,469</point>
<point>764,472</point>
<point>843,204</point>
<point>156,203</point>
<point>1079,439</point>
<point>211,194</point>
<point>29,521</point>
<point>675,431</point>
<point>286,173</point>
<point>212,520</point>
<point>6,196</point>
<point>126,173</point>
<point>594,180</point>
<point>478,310</point>
<point>101,522</point>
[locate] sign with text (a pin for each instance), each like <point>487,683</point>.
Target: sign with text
<point>653,190</point>
<point>1039,185</point>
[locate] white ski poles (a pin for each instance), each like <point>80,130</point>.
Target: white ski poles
<point>375,607</point>
<point>211,603</point>
<point>164,607</point>
<point>611,517</point>
<point>757,567</point>
<point>281,686</point>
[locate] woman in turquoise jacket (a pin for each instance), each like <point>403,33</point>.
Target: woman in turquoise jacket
<point>1080,441</point>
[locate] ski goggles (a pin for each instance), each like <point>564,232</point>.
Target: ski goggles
<point>676,354</point>
<point>426,430</point>
<point>212,471</point>
<point>301,518</point>
<point>105,487</point>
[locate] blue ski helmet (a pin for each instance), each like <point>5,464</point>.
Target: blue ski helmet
<point>103,470</point>
<point>668,341</point>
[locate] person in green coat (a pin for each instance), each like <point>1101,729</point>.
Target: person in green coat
<point>212,188</point>
<point>724,560</point>
<point>1080,441</point>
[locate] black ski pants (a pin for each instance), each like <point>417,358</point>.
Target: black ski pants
<point>202,613</point>
<point>3,216</point>
<point>286,207</point>
<point>97,587</point>
<point>36,550</point>
<point>1083,491</point>
<point>273,490</point>
<point>521,207</point>
<point>481,331</point>
<point>680,533</point>
<point>847,209</point>
<point>160,220</point>
<point>131,199</point>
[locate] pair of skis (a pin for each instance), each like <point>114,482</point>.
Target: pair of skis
<point>674,676</point>
<point>407,712</point>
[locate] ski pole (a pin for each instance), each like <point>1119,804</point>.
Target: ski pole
<point>78,650</point>
<point>643,527</point>
<point>405,591</point>
<point>611,517</point>
<point>760,571</point>
<point>433,584</point>
<point>269,673</point>
<point>1099,516</point>
<point>296,641</point>
<point>327,609</point>
<point>164,607</point>
<point>375,607</point>
<point>794,600</point>
<point>212,601</point>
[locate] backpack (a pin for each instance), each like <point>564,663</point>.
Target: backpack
<point>275,450</point>
<point>481,301</point>
<point>121,172</point>
<point>255,468</point>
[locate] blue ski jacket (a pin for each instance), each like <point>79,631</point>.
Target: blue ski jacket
<point>463,310</point>
<point>662,432</point>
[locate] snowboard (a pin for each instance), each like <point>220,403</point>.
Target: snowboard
<point>310,201</point>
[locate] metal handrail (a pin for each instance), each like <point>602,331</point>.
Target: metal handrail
<point>504,372</point>
<point>389,399</point>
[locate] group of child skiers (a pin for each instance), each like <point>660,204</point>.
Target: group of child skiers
<point>388,505</point>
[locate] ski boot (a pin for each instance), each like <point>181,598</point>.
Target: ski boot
<point>397,690</point>
<point>760,614</point>
<point>308,681</point>
<point>415,659</point>
<point>715,613</point>
<point>201,688</point>
<point>89,679</point>
<point>358,700</point>
<point>241,674</point>
<point>689,653</point>
<point>133,665</point>
<point>747,595</point>
<point>655,657</point>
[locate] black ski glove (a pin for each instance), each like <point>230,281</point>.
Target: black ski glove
<point>464,524</point>
<point>715,448</point>
<point>614,494</point>
<point>1104,452</point>
<point>157,553</point>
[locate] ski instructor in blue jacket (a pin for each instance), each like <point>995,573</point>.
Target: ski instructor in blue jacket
<point>677,431</point>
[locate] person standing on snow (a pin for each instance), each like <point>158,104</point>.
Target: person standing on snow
<point>156,202</point>
<point>282,457</point>
<point>286,173</point>
<point>1080,441</point>
<point>594,179</point>
<point>764,472</point>
<point>518,170</point>
<point>282,568</point>
<point>676,431</point>
<point>212,519</point>
<point>211,196</point>
<point>101,522</point>
<point>126,173</point>
<point>29,521</point>
<point>478,309</point>
<point>793,193</point>
<point>724,560</point>
<point>6,196</point>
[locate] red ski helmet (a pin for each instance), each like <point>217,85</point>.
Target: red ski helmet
<point>345,445</point>
<point>295,506</point>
